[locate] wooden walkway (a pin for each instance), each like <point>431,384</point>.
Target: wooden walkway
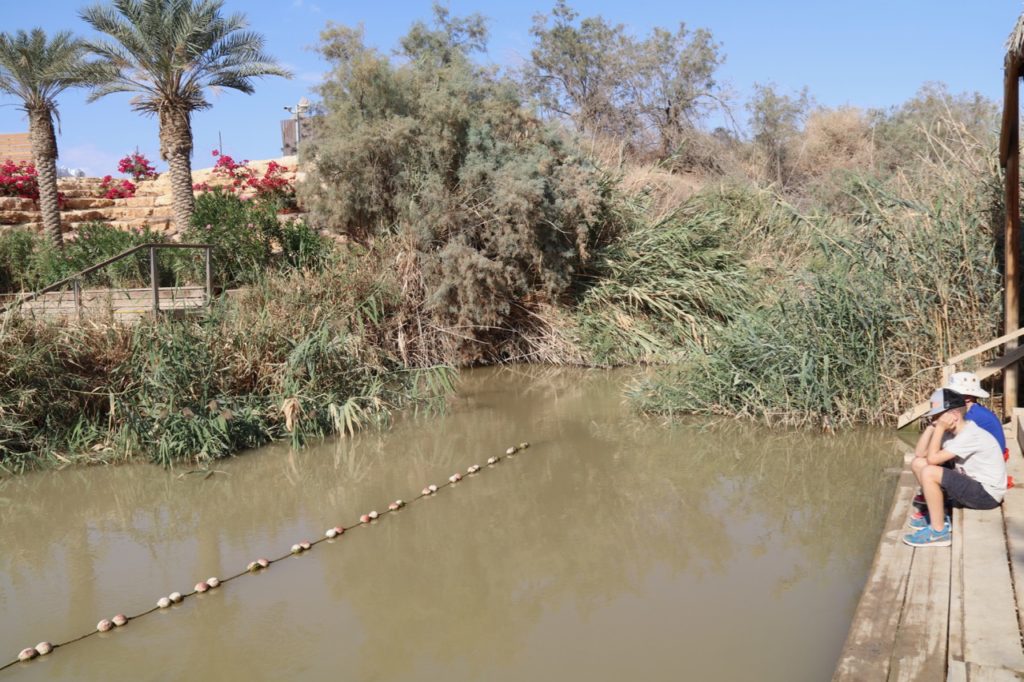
<point>950,613</point>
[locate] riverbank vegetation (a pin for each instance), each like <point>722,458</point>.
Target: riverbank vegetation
<point>598,206</point>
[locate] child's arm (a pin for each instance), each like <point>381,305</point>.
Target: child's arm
<point>936,455</point>
<point>921,449</point>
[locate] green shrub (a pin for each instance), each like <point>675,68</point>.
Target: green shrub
<point>488,210</point>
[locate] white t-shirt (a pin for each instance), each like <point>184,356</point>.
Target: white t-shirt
<point>979,456</point>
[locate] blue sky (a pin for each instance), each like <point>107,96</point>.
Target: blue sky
<point>867,53</point>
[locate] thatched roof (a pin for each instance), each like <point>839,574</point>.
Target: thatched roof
<point>1015,43</point>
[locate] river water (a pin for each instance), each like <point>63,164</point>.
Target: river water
<point>613,548</point>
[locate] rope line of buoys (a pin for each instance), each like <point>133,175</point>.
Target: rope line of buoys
<point>120,620</point>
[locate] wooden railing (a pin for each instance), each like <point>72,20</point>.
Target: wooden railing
<point>75,280</point>
<point>1008,359</point>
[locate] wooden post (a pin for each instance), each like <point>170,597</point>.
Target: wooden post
<point>209,278</point>
<point>78,298</point>
<point>154,280</point>
<point>1011,148</point>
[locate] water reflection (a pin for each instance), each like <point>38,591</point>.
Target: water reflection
<point>613,548</point>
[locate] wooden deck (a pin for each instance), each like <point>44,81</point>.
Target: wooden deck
<point>948,613</point>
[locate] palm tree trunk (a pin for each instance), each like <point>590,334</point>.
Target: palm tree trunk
<point>44,155</point>
<point>176,149</point>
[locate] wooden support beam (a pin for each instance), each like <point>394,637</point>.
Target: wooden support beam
<point>1011,137</point>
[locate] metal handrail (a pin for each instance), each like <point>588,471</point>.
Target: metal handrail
<point>153,275</point>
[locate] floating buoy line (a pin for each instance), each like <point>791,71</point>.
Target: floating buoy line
<point>120,620</point>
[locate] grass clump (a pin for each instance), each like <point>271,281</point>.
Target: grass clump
<point>297,356</point>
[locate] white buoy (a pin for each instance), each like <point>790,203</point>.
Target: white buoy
<point>175,597</point>
<point>213,582</point>
<point>305,545</point>
<point>511,451</point>
<point>455,478</point>
<point>119,620</point>
<point>263,563</point>
<point>523,446</point>
<point>104,625</point>
<point>331,533</point>
<point>201,587</point>
<point>425,492</point>
<point>252,567</point>
<point>163,603</point>
<point>473,468</point>
<point>44,648</point>
<point>492,460</point>
<point>296,548</point>
<point>373,515</point>
<point>393,506</point>
<point>433,488</point>
<point>27,654</point>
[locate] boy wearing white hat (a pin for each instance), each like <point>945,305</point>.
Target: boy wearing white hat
<point>977,479</point>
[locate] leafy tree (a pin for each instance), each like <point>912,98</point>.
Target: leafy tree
<point>775,121</point>
<point>36,70</point>
<point>483,208</point>
<point>579,70</point>
<point>932,123</point>
<point>169,53</point>
<point>651,92</point>
<point>676,82</point>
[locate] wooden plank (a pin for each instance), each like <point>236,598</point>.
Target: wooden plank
<point>955,645</point>
<point>920,649</point>
<point>985,673</point>
<point>991,630</point>
<point>869,643</point>
<point>1013,517</point>
<point>956,360</point>
<point>913,414</point>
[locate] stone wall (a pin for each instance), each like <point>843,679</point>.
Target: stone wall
<point>84,202</point>
<point>15,146</point>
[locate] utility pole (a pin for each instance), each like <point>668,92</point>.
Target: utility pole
<point>298,110</point>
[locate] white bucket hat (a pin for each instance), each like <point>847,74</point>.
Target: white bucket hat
<point>966,383</point>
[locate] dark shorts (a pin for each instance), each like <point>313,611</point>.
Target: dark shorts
<point>963,491</point>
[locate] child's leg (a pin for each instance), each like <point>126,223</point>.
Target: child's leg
<point>930,478</point>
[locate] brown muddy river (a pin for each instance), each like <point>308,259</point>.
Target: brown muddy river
<point>614,548</point>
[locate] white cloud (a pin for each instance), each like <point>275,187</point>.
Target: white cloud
<point>302,4</point>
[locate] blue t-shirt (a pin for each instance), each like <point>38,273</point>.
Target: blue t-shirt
<point>986,419</point>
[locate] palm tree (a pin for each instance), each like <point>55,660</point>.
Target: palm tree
<point>168,52</point>
<point>36,70</point>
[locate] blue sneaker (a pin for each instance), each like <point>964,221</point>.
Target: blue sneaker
<point>926,537</point>
<point>920,520</point>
